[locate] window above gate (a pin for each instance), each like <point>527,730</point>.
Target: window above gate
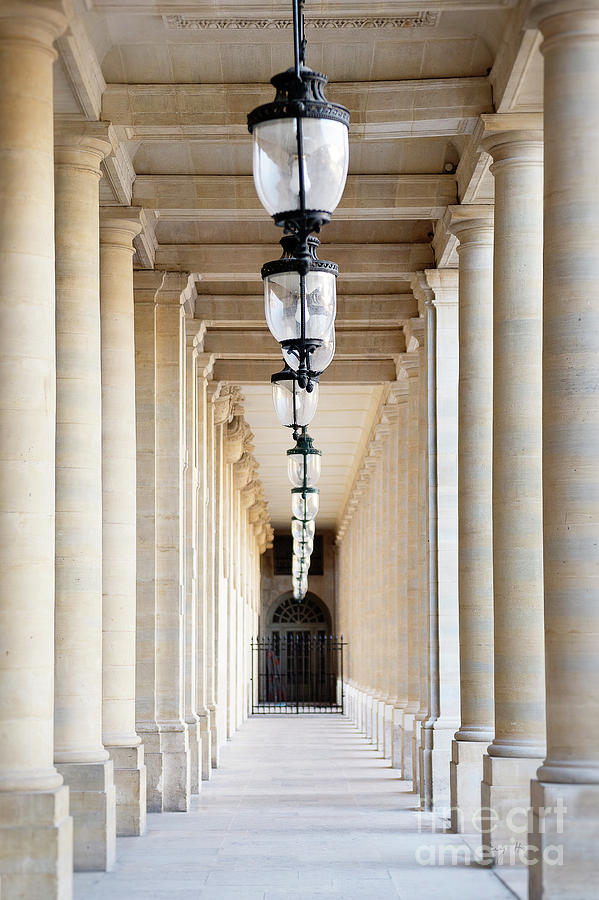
<point>290,612</point>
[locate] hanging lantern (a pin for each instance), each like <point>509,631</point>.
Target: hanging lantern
<point>300,528</point>
<point>295,406</point>
<point>301,150</point>
<point>303,462</point>
<point>304,503</point>
<point>300,301</point>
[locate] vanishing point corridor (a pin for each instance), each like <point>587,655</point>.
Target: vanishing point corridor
<point>302,806</point>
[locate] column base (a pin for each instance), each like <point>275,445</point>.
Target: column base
<point>214,742</point>
<point>505,800</point>
<point>396,757</point>
<point>167,763</point>
<point>379,724</point>
<point>206,744</point>
<point>562,851</point>
<point>416,744</point>
<point>36,845</point>
<point>130,786</point>
<point>407,735</point>
<point>436,757</point>
<point>465,774</point>
<point>195,755</point>
<point>92,804</point>
<point>369,717</point>
<point>387,730</point>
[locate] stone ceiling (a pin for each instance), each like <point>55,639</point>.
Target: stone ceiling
<point>176,79</point>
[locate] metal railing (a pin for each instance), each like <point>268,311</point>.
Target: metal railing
<point>297,672</point>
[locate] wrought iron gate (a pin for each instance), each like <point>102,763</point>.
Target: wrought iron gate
<point>297,672</point>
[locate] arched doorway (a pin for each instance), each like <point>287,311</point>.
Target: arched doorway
<point>297,662</point>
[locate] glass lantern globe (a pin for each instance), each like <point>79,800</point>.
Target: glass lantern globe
<point>303,463</point>
<point>304,503</point>
<point>303,548</point>
<point>295,406</point>
<point>302,530</point>
<point>301,150</point>
<point>300,293</point>
<point>298,566</point>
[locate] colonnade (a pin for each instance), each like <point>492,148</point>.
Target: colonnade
<point>502,478</point>
<point>132,517</point>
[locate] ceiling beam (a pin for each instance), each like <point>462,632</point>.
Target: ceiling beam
<point>356,311</point>
<point>341,371</point>
<point>260,344</point>
<point>368,262</point>
<point>234,198</point>
<point>379,109</point>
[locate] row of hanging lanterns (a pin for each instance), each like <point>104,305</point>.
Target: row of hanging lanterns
<point>301,154</point>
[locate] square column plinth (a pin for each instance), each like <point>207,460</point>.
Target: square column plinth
<point>130,787</point>
<point>92,801</point>
<point>505,797</point>
<point>167,762</point>
<point>465,774</point>
<point>562,844</point>
<point>36,845</point>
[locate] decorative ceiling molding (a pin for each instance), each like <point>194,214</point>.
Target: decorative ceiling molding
<point>423,19</point>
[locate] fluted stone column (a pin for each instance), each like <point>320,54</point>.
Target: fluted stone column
<point>569,776</point>
<point>33,801</point>
<point>205,585</point>
<point>78,750</point>
<point>118,227</point>
<point>474,229</point>
<point>399,459</point>
<point>444,697</point>
<point>516,145</point>
<point>409,367</point>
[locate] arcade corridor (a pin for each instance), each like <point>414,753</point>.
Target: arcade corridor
<point>301,807</point>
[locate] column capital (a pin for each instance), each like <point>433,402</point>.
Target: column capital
<point>173,289</point>
<point>413,330</point>
<point>409,364</point>
<point>421,291</point>
<point>471,224</point>
<point>205,365</point>
<point>513,138</point>
<point>83,145</point>
<point>444,284</point>
<point>120,224</point>
<point>562,20</point>
<point>38,21</point>
<point>399,390</point>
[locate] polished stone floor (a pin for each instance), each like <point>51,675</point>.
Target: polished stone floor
<point>301,807</point>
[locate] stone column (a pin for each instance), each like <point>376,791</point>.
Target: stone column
<point>516,144</point>
<point>33,801</point>
<point>444,697</point>
<point>78,751</point>
<point>399,461</point>
<point>173,746</point>
<point>221,402</point>
<point>474,228</point>
<point>205,585</point>
<point>569,776</point>
<point>409,366</point>
<point>146,284</point>
<point>118,227</point>
<point>190,557</point>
